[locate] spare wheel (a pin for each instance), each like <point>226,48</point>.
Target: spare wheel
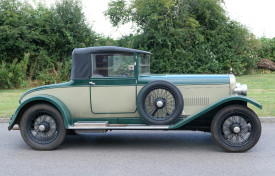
<point>160,103</point>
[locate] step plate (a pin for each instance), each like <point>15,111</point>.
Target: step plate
<point>99,123</point>
<point>96,126</point>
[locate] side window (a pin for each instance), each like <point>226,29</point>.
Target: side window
<point>144,64</point>
<point>113,65</point>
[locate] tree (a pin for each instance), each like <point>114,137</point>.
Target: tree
<point>267,49</point>
<point>46,35</point>
<point>13,29</point>
<point>186,36</point>
<point>69,24</point>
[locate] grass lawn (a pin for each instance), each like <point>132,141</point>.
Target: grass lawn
<point>261,88</point>
<point>9,101</point>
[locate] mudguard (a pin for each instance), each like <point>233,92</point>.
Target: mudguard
<point>44,98</point>
<point>214,105</point>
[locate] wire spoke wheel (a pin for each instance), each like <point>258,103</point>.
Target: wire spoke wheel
<point>160,103</point>
<point>236,128</point>
<point>42,128</point>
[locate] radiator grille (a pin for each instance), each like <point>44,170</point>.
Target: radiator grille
<point>196,101</point>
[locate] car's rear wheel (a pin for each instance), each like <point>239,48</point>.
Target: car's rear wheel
<point>42,127</point>
<point>236,128</point>
<point>159,103</point>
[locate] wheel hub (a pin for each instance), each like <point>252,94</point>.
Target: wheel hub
<point>41,127</point>
<point>235,128</point>
<point>44,127</point>
<point>160,103</point>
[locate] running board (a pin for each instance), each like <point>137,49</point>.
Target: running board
<point>105,126</point>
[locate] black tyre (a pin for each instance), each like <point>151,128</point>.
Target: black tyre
<point>42,127</point>
<point>159,103</point>
<point>236,128</point>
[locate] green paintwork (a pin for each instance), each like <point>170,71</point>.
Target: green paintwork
<point>212,106</point>
<point>187,79</point>
<point>48,98</point>
<point>114,81</point>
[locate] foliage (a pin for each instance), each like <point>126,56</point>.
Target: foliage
<point>267,49</point>
<point>14,75</point>
<point>186,36</point>
<point>13,30</point>
<point>48,35</point>
<point>70,27</point>
<point>105,41</point>
<point>119,65</point>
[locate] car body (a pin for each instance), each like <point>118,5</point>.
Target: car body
<point>111,88</point>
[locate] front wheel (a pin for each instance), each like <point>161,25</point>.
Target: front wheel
<point>236,128</point>
<point>42,127</point>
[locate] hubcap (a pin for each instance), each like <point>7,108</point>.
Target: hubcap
<point>41,127</point>
<point>236,129</point>
<point>44,127</point>
<point>159,104</point>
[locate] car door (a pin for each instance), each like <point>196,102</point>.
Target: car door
<point>113,83</point>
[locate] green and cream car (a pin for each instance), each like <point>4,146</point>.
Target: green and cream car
<point>111,88</point>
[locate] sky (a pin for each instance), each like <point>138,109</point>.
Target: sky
<point>257,15</point>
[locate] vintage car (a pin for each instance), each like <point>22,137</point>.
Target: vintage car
<point>111,88</point>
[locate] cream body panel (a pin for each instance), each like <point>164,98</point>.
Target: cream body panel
<point>113,99</point>
<point>197,97</point>
<point>77,99</point>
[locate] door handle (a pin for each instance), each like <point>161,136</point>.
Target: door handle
<point>92,83</point>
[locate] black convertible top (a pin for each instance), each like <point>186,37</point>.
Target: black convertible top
<point>81,59</point>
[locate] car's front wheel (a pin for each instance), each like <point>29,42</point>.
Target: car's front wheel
<point>42,127</point>
<point>236,128</point>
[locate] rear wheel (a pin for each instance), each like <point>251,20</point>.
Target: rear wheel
<point>42,127</point>
<point>236,128</point>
